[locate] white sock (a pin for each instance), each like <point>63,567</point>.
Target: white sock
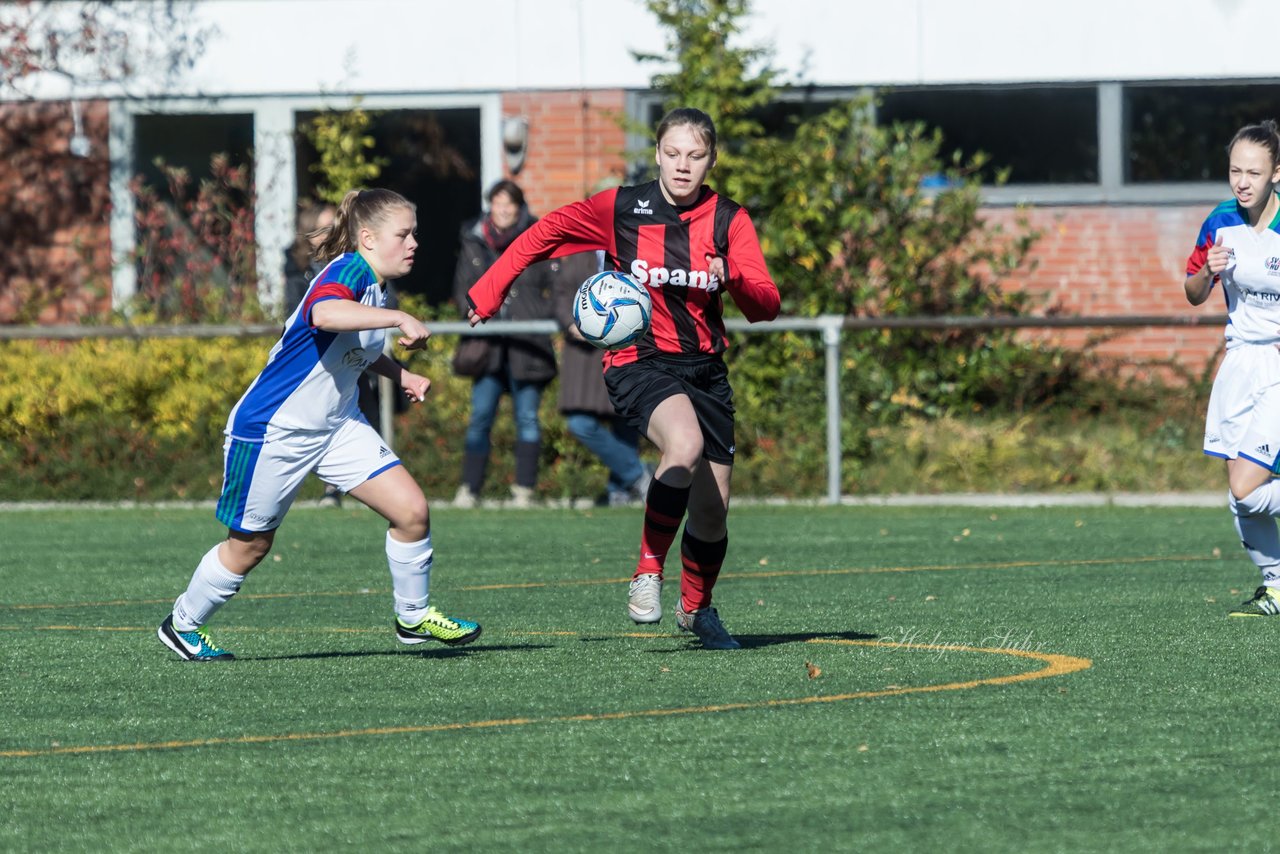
<point>410,565</point>
<point>1260,538</point>
<point>211,586</point>
<point>1263,501</point>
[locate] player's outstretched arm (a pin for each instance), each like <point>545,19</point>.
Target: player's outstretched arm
<point>575,227</point>
<point>340,315</point>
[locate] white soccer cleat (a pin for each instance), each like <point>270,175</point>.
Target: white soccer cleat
<point>644,598</point>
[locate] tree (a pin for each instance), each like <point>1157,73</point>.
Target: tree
<point>850,225</point>
<point>197,252</point>
<point>54,196</point>
<point>90,44</point>
<point>341,139</point>
<point>732,84</point>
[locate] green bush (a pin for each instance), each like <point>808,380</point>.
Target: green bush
<point>125,419</point>
<point>128,419</point>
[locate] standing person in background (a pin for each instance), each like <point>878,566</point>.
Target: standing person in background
<point>300,416</point>
<point>685,243</point>
<point>584,399</point>
<point>301,266</point>
<point>518,365</point>
<point>300,262</point>
<point>1238,246</point>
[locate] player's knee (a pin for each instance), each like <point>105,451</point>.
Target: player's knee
<point>413,518</point>
<point>245,551</point>
<point>1246,485</point>
<point>1247,478</point>
<point>683,452</point>
<point>1239,492</point>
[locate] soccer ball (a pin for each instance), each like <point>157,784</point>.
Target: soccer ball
<point>611,310</point>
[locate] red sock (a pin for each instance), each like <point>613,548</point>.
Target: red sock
<point>663,509</point>
<point>701,563</point>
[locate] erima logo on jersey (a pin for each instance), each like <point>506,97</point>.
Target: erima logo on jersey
<point>642,207</point>
<point>659,276</point>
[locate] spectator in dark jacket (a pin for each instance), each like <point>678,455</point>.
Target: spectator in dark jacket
<point>518,365</point>
<point>584,400</point>
<point>300,263</point>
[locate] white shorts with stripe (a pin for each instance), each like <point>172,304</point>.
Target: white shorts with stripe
<point>261,479</point>
<point>1243,420</point>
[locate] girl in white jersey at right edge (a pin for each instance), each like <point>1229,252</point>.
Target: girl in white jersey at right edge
<point>301,415</point>
<point>1239,247</point>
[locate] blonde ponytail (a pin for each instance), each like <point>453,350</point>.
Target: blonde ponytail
<point>359,209</point>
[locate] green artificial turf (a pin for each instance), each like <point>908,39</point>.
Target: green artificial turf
<point>1139,725</point>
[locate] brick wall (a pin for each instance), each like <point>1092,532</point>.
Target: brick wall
<point>575,144</point>
<point>1101,260</point>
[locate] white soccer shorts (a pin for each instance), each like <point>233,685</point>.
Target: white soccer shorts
<point>1244,407</point>
<point>261,479</point>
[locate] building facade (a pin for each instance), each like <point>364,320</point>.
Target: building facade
<point>1112,135</point>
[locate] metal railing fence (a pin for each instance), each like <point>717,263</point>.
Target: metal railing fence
<point>830,326</point>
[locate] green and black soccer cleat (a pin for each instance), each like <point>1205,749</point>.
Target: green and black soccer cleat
<point>1263,604</point>
<point>436,626</point>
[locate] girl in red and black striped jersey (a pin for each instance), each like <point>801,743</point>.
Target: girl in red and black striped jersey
<point>686,244</point>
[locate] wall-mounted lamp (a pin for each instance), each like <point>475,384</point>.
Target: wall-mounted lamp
<point>78,145</point>
<point>515,142</point>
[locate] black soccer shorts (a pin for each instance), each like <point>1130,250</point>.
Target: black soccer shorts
<point>637,388</point>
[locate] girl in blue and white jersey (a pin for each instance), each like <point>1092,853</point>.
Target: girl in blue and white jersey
<point>301,415</point>
<point>1239,248</point>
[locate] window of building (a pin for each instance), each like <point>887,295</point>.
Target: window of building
<point>1042,135</point>
<point>188,141</point>
<point>1179,133</point>
<point>432,158</point>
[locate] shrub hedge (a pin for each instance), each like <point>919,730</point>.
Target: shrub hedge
<point>142,419</point>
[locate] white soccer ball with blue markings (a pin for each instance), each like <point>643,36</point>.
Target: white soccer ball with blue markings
<point>611,310</point>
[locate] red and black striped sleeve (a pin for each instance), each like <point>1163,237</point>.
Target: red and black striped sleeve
<point>748,279</point>
<point>577,227</point>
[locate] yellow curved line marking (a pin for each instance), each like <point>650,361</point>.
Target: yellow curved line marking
<point>589,582</point>
<point>1055,665</point>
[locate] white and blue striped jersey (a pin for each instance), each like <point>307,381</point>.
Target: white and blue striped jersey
<point>1251,281</point>
<point>309,382</point>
